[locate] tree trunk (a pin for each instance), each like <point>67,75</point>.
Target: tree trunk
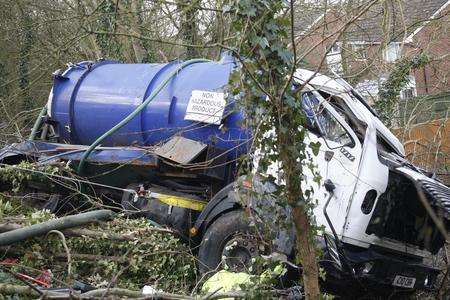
<point>188,27</point>
<point>12,289</point>
<point>92,49</point>
<point>307,253</point>
<point>26,43</point>
<point>139,51</point>
<point>292,169</point>
<point>345,46</point>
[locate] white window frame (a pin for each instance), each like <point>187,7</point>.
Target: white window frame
<point>335,49</point>
<point>334,59</point>
<point>392,52</point>
<point>410,86</point>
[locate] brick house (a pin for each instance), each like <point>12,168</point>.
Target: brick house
<point>361,42</point>
<point>365,51</point>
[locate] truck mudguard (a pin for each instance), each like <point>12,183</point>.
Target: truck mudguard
<point>222,202</point>
<point>264,211</point>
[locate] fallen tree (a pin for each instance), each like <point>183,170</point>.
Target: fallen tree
<point>8,289</point>
<point>116,254</point>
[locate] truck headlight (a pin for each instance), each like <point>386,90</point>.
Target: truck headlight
<point>367,267</point>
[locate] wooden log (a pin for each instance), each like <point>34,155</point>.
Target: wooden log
<point>114,293</point>
<point>27,292</point>
<point>119,292</point>
<point>11,289</point>
<point>115,236</point>
<point>91,257</point>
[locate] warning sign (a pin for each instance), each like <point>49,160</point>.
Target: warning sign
<point>206,107</point>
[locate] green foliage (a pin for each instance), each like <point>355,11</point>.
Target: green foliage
<point>158,259</point>
<point>258,286</point>
<point>18,176</point>
<point>150,257</point>
<point>3,77</point>
<point>264,86</point>
<point>154,258</point>
<point>398,79</point>
<point>109,44</point>
<point>27,40</point>
<point>257,282</point>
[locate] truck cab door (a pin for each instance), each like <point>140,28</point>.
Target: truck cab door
<point>337,159</point>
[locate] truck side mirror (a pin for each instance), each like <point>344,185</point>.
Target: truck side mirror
<point>329,186</point>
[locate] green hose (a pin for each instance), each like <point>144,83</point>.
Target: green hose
<point>38,123</point>
<point>135,112</point>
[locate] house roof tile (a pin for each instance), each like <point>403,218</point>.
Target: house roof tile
<point>390,20</point>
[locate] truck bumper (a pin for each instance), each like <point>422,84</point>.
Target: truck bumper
<point>377,270</point>
<point>390,273</point>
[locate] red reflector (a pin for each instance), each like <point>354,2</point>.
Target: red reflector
<point>247,184</point>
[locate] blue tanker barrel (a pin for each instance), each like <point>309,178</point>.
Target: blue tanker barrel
<point>89,98</point>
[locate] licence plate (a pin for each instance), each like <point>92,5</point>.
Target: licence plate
<point>403,281</point>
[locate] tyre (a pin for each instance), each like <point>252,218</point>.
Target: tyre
<point>228,241</point>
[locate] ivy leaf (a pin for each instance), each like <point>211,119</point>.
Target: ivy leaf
<point>315,147</point>
<point>285,55</point>
<point>263,42</point>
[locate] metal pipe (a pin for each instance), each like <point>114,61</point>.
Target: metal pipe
<point>329,186</point>
<point>21,234</point>
<point>38,123</point>
<point>328,219</point>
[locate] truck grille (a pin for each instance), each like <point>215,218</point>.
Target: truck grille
<point>438,195</point>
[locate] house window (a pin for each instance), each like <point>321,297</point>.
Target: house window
<point>334,59</point>
<point>409,91</point>
<point>360,51</point>
<point>336,48</point>
<point>407,94</point>
<point>392,52</point>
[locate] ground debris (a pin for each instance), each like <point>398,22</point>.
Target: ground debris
<point>120,254</point>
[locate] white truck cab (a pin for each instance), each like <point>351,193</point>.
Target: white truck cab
<point>376,229</point>
<point>353,143</point>
<point>375,206</point>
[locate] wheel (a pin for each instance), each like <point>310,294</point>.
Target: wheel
<point>228,238</point>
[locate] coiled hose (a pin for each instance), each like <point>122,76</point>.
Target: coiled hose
<point>135,112</point>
